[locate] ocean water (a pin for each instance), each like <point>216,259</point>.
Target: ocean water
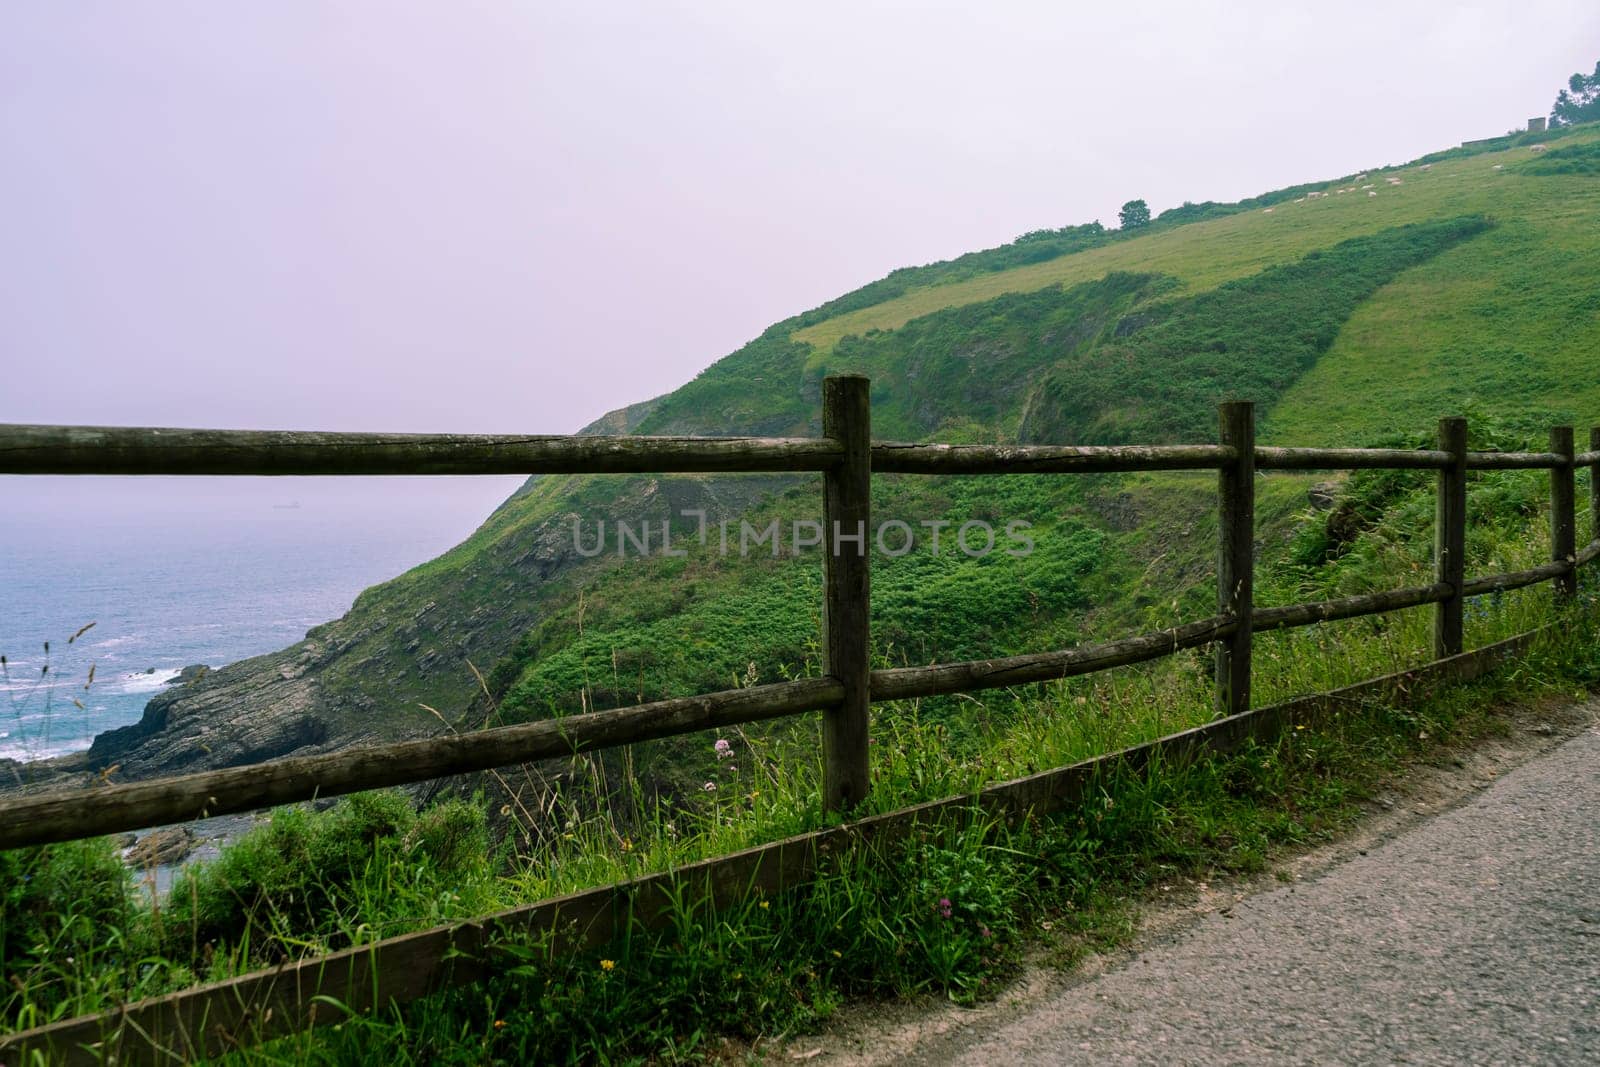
<point>178,574</point>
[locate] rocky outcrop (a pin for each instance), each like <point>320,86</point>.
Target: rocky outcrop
<point>192,673</point>
<point>161,848</point>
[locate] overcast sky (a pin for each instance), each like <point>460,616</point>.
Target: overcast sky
<point>516,216</point>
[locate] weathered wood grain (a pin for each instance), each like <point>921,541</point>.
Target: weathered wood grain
<point>847,592</point>
<point>1304,459</point>
<point>1450,538</point>
<point>1563,517</point>
<point>1236,528</point>
<point>1508,461</point>
<point>892,458</point>
<point>1594,484</point>
<point>141,451</point>
<point>1349,607</point>
<point>1499,583</point>
<point>905,683</point>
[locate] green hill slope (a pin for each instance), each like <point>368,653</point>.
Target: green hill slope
<point>1462,284</point>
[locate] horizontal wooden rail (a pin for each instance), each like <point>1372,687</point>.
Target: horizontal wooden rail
<point>221,1016</point>
<point>66,815</point>
<point>1327,459</point>
<point>890,458</point>
<point>1349,607</point>
<point>905,683</point>
<point>118,450</point>
<point>1499,583</point>
<point>126,450</point>
<point>1508,461</point>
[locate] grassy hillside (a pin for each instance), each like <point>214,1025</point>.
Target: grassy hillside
<point>1205,254</point>
<point>1464,284</point>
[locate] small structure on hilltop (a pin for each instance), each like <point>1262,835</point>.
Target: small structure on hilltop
<point>1536,125</point>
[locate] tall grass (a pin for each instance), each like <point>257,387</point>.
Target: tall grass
<point>949,911</point>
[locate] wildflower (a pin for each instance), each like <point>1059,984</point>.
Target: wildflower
<point>733,768</point>
<point>499,1024</point>
<point>765,904</point>
<point>608,965</point>
<point>710,787</point>
<point>984,931</point>
<point>723,748</point>
<point>945,907</point>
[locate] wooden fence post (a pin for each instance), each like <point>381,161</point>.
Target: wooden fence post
<point>1236,523</point>
<point>1563,522</point>
<point>1450,539</point>
<point>1594,486</point>
<point>846,617</point>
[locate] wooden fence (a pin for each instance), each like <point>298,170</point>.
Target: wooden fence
<point>269,1002</point>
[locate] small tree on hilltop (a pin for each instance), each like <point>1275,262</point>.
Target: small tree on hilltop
<point>1134,213</point>
<point>1579,101</point>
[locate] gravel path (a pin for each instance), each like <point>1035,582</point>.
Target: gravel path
<point>1472,938</point>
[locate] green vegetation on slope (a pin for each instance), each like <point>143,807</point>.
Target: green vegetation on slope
<point>1504,326</point>
<point>948,911</point>
<point>643,628</point>
<point>1501,324</point>
<point>1162,377</point>
<point>1205,254</point>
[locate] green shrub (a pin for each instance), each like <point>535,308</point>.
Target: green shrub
<point>290,875</point>
<point>65,910</point>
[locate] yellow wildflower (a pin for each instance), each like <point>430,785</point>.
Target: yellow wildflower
<point>608,965</point>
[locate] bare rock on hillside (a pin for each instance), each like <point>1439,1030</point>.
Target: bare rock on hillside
<point>160,848</point>
<point>1323,495</point>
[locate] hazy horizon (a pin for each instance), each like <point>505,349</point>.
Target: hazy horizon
<point>514,219</point>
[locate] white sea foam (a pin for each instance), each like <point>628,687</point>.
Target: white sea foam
<point>117,642</point>
<point>26,751</point>
<point>142,682</point>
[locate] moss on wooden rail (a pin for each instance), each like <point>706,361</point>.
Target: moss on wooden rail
<point>1324,459</point>
<point>1514,461</point>
<point>892,458</point>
